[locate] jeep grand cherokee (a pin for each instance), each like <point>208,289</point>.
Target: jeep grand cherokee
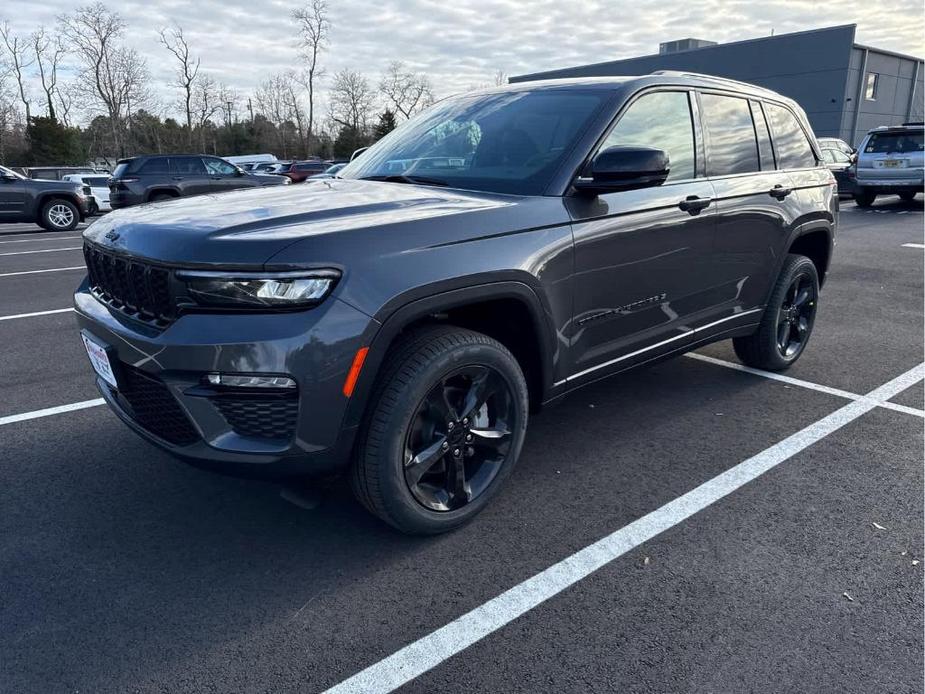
<point>499,250</point>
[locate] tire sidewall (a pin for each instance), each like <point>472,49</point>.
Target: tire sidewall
<point>798,265</point>
<point>405,511</point>
<point>46,222</point>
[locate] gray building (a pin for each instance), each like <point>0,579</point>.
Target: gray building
<point>844,87</point>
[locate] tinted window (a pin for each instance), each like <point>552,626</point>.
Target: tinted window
<point>508,142</point>
<point>661,120</point>
<point>765,153</point>
<point>219,167</point>
<point>188,166</point>
<point>155,165</point>
<point>121,169</point>
<point>885,143</point>
<point>793,149</point>
<point>730,134</point>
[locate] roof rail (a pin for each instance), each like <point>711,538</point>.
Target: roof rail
<point>715,78</point>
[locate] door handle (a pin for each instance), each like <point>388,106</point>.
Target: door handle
<point>177,178</point>
<point>780,192</point>
<point>692,204</point>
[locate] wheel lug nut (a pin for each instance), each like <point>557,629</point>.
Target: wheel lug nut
<point>445,445</point>
<point>450,425</point>
<point>456,451</point>
<point>468,437</point>
<point>466,421</point>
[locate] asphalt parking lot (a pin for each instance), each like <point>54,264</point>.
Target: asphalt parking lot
<point>687,527</point>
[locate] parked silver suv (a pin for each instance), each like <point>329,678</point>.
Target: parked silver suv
<point>889,162</point>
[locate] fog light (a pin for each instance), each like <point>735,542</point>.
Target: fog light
<point>233,381</point>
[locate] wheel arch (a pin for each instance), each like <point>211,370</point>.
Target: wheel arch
<point>816,241</point>
<point>172,192</point>
<point>45,197</point>
<point>508,311</point>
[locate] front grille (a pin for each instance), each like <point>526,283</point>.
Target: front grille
<point>138,289</point>
<point>268,418</point>
<point>154,408</point>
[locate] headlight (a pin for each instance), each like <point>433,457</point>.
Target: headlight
<point>286,180</point>
<point>260,290</point>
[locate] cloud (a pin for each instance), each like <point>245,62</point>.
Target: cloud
<point>462,44</point>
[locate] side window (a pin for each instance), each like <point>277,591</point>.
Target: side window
<point>793,149</point>
<point>765,153</point>
<point>829,155</point>
<point>155,165</point>
<point>840,157</point>
<point>218,167</point>
<point>661,120</point>
<point>188,166</point>
<point>732,147</point>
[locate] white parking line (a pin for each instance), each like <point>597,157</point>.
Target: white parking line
<point>42,240</point>
<point>914,245</point>
<point>429,651</point>
<point>36,313</point>
<point>44,250</point>
<point>802,384</point>
<point>36,272</point>
<point>49,411</point>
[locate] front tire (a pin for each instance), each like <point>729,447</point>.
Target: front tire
<point>787,322</point>
<point>864,199</point>
<point>445,427</point>
<point>59,214</point>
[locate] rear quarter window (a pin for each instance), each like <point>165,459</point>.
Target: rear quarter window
<point>790,142</point>
<point>155,165</point>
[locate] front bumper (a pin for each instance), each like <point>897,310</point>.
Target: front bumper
<point>162,396</point>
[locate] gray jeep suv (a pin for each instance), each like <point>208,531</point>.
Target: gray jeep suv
<point>401,320</point>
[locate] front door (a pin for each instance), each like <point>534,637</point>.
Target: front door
<point>224,176</point>
<point>12,197</point>
<point>190,175</point>
<point>643,268</point>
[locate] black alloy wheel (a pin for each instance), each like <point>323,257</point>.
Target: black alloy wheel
<point>796,315</point>
<point>787,321</point>
<point>459,438</point>
<point>444,427</point>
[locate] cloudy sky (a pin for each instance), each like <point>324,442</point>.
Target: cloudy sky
<point>463,43</point>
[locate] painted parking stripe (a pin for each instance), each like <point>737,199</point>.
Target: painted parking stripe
<point>802,384</point>
<point>36,272</point>
<point>44,250</point>
<point>426,653</point>
<point>36,313</point>
<point>914,245</point>
<point>41,240</point>
<point>49,411</point>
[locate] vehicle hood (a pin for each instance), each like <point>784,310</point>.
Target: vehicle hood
<point>246,228</point>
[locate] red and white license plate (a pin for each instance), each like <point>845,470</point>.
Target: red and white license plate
<point>99,360</point>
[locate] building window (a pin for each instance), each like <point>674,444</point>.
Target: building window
<point>870,92</point>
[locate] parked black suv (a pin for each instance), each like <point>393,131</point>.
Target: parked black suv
<point>489,256</point>
<point>53,205</point>
<point>153,178</point>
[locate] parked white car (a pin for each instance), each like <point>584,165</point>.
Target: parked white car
<point>99,190</point>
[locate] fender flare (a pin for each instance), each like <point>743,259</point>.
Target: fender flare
<point>384,330</point>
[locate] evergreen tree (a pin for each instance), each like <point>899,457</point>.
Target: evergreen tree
<point>385,125</point>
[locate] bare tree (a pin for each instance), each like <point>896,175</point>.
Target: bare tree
<point>314,27</point>
<point>208,99</point>
<point>351,100</point>
<point>68,97</point>
<point>278,101</point>
<point>48,55</point>
<point>19,60</point>
<point>187,69</point>
<point>500,78</point>
<point>406,91</point>
<point>116,76</point>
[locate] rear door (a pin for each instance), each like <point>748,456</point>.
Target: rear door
<point>755,205</point>
<point>642,257</point>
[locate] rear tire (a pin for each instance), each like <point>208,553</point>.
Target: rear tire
<point>160,197</point>
<point>59,214</point>
<point>787,322</point>
<point>426,408</point>
<point>864,199</point>
<point>908,196</point>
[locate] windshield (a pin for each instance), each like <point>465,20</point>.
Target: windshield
<point>9,172</point>
<point>509,142</point>
<point>900,143</point>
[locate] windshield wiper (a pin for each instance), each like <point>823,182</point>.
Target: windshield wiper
<point>404,178</point>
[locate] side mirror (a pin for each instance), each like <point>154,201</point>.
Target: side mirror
<point>7,178</point>
<point>624,167</point>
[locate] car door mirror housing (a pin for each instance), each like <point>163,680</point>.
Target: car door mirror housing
<point>624,167</point>
<point>7,178</point>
